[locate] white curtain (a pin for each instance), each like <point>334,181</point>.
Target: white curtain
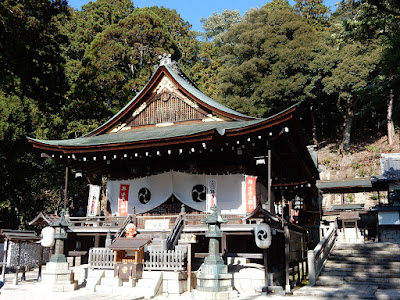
<point>190,189</point>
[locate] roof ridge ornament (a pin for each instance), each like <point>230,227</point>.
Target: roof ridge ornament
<point>166,60</point>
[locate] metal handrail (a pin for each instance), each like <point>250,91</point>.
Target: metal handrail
<point>175,232</point>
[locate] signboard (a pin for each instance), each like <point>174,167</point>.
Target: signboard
<point>250,193</point>
<point>93,201</point>
<point>157,224</point>
<point>211,193</point>
<point>188,237</point>
<point>123,200</point>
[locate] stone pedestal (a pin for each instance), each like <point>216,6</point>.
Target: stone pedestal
<point>58,277</point>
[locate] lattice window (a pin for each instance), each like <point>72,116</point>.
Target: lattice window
<point>167,107</point>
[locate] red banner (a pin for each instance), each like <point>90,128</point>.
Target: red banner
<point>250,193</point>
<point>123,200</point>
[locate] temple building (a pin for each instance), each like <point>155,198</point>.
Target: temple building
<point>173,146</point>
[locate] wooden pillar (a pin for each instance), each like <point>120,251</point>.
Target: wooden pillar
<point>287,257</point>
<point>266,273</point>
<point>270,204</point>
<point>5,249</point>
<point>39,277</point>
<point>18,263</point>
<point>224,245</point>
<point>97,240</point>
<point>189,268</point>
<point>66,188</point>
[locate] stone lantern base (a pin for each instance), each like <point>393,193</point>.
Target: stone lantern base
<point>214,287</point>
<point>58,277</point>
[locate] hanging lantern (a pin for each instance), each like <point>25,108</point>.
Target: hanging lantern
<point>47,237</point>
<point>262,234</point>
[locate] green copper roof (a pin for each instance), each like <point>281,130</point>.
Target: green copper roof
<point>188,86</point>
<point>153,133</point>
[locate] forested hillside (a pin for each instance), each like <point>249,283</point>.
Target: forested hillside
<point>65,71</point>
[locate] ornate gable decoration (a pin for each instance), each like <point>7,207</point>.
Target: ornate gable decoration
<point>166,106</point>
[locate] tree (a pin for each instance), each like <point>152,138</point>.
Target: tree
<point>31,63</point>
<point>316,13</point>
<point>216,24</point>
<point>378,21</point>
<point>266,61</point>
<point>182,35</point>
<point>354,65</point>
<point>119,62</point>
<point>32,88</point>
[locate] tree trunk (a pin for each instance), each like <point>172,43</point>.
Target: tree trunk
<point>390,125</point>
<point>348,122</point>
<point>314,126</point>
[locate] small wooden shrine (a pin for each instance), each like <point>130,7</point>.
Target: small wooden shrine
<point>129,257</point>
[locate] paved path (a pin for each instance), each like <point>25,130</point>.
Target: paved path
<point>32,290</point>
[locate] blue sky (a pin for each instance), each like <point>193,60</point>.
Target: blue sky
<point>193,11</point>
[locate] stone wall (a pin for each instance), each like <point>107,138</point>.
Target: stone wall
<point>389,234</point>
<point>369,199</point>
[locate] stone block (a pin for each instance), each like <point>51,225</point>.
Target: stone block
<point>170,275</point>
<point>200,295</point>
<point>175,286</point>
<point>70,261</point>
<point>56,266</point>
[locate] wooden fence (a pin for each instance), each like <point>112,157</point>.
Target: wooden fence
<point>167,260</point>
<point>101,258</point>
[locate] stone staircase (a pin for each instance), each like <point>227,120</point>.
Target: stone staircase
<point>149,286</point>
<point>359,271</point>
<point>350,235</point>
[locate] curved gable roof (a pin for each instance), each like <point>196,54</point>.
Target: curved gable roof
<point>185,85</point>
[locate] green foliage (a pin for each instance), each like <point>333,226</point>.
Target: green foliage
<point>316,13</point>
<point>119,62</point>
<point>32,88</point>
<point>266,61</point>
<point>216,24</point>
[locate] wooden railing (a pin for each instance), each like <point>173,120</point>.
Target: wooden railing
<point>140,220</point>
<point>318,256</point>
<point>167,260</point>
<point>101,258</point>
<point>195,219</point>
<point>109,221</point>
<point>296,239</point>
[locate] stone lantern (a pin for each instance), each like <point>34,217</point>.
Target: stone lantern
<point>214,262</point>
<point>60,235</point>
<point>58,277</point>
<point>214,281</point>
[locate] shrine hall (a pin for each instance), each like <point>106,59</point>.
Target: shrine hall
<point>172,153</point>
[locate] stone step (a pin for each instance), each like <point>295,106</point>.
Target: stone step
<point>360,274</point>
<point>388,294</point>
<point>389,266</point>
<point>107,281</point>
<point>359,291</point>
<point>367,245</point>
<point>394,255</point>
<point>326,280</point>
<point>361,260</point>
<point>103,289</point>
<point>109,273</point>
